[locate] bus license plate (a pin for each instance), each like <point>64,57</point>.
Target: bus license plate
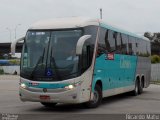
<point>44,97</point>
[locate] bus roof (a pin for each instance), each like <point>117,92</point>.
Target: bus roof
<point>76,22</point>
<point>117,29</point>
<point>61,23</point>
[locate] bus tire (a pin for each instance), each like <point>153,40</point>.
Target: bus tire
<point>140,88</point>
<point>135,92</point>
<point>96,99</point>
<point>48,104</point>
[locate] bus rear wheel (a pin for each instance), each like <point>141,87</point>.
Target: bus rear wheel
<point>97,98</point>
<point>136,90</point>
<point>48,104</point>
<point>140,88</point>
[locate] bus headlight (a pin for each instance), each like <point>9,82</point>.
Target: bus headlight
<point>23,85</point>
<point>70,87</point>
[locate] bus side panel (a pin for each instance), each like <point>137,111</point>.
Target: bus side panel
<point>116,73</point>
<point>144,68</point>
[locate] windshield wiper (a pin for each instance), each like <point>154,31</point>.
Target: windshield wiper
<point>40,58</point>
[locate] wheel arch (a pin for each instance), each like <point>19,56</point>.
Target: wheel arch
<point>97,82</point>
<point>137,78</point>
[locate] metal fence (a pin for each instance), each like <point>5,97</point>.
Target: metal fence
<point>155,72</point>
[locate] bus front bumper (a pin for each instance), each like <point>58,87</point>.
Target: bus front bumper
<point>68,96</point>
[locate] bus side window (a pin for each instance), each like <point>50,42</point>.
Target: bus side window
<point>140,49</point>
<point>130,45</point>
<point>85,57</point>
<point>136,46</point>
<point>119,43</point>
<point>111,39</point>
<point>124,44</point>
<point>101,42</point>
<point>108,47</point>
<point>133,42</point>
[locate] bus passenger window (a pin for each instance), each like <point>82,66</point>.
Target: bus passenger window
<point>124,44</point>
<point>119,47</point>
<point>111,39</point>
<point>101,42</point>
<point>108,47</point>
<point>130,45</point>
<point>133,41</point>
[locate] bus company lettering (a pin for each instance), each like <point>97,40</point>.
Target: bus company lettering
<point>125,63</point>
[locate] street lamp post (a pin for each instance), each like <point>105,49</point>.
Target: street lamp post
<point>9,33</point>
<point>100,13</point>
<point>16,30</point>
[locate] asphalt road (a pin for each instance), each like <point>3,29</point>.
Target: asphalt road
<point>148,102</point>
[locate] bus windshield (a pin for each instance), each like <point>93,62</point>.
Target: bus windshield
<point>50,55</point>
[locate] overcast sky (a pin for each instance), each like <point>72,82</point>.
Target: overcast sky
<point>134,15</point>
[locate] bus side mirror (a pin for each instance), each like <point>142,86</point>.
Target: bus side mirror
<point>13,45</point>
<point>80,44</point>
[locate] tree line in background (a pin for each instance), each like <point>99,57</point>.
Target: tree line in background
<point>153,37</point>
<point>155,46</point>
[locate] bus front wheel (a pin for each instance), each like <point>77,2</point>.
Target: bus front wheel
<point>96,98</point>
<point>48,104</point>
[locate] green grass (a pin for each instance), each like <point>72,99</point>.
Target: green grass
<point>155,59</point>
<point>155,82</point>
<point>1,71</point>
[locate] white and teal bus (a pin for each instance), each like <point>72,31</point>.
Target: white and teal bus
<point>81,60</point>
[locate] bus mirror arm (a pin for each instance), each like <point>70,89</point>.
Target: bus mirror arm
<point>13,45</point>
<point>80,43</point>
